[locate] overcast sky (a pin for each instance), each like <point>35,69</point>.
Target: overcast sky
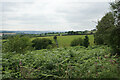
<point>51,15</point>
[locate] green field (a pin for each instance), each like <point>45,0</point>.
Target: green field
<point>64,41</point>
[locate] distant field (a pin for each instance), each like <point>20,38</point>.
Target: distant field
<point>64,41</point>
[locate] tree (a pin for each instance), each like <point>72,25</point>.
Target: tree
<point>114,39</point>
<point>86,41</point>
<point>104,27</point>
<point>98,40</point>
<point>17,44</point>
<point>55,38</point>
<point>70,32</point>
<point>41,43</point>
<point>115,7</point>
<point>108,29</point>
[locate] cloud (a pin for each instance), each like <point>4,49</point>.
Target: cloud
<point>58,0</point>
<point>55,15</point>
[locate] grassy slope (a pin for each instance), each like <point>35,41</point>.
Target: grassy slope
<point>72,62</point>
<point>64,41</point>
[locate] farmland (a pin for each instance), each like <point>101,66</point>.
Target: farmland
<point>64,41</point>
<point>60,39</point>
<point>65,62</point>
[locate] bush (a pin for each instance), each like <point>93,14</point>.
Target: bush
<point>41,43</point>
<point>98,40</point>
<point>17,44</point>
<point>86,41</point>
<point>51,46</point>
<point>77,42</point>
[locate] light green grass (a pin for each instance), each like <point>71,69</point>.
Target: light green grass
<point>64,41</point>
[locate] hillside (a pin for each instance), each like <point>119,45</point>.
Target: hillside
<point>72,62</point>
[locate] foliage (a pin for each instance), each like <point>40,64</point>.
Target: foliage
<point>41,43</point>
<point>73,62</point>
<point>6,36</point>
<point>55,37</point>
<point>65,41</point>
<point>114,40</point>
<point>115,7</point>
<point>79,32</point>
<point>86,41</point>
<point>81,42</point>
<point>108,28</point>
<point>17,44</point>
<point>72,33</point>
<point>104,27</point>
<point>98,39</point>
<point>77,42</point>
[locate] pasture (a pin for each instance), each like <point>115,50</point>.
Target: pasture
<point>64,41</point>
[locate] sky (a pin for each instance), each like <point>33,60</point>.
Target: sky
<point>51,15</point>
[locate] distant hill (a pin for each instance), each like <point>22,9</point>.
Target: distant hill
<point>27,32</point>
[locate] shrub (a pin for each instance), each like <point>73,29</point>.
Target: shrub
<point>55,38</point>
<point>77,42</point>
<point>17,44</point>
<point>86,41</point>
<point>50,46</point>
<point>41,43</point>
<point>98,40</point>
